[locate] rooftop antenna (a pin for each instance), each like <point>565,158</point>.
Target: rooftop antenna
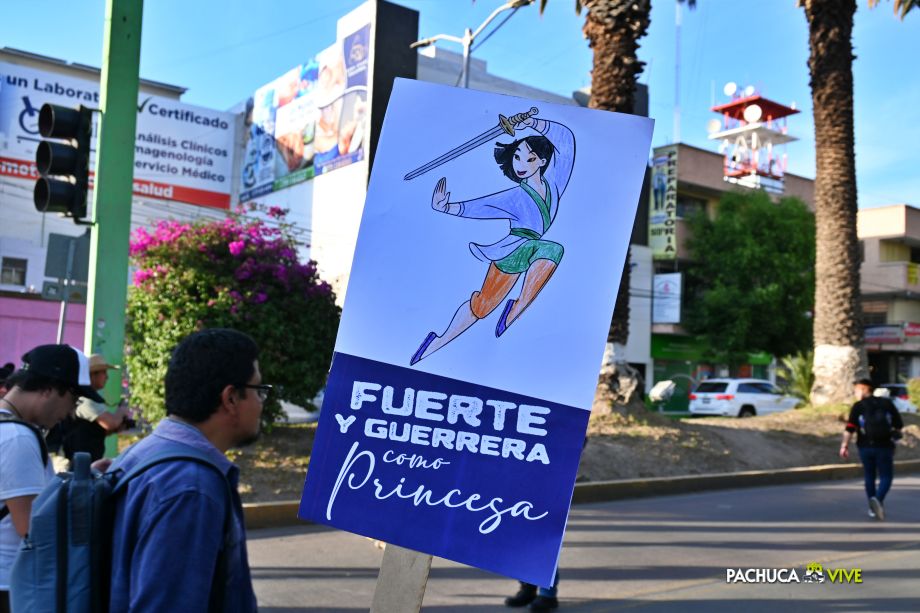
<point>677,20</point>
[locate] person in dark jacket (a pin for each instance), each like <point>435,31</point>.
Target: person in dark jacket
<point>169,551</point>
<point>877,425</point>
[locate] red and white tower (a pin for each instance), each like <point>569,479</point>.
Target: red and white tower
<point>751,129</point>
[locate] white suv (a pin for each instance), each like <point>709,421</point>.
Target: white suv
<point>897,393</point>
<point>741,397</point>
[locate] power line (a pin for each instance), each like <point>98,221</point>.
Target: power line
<point>495,29</point>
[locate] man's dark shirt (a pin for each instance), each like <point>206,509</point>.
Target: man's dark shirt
<point>856,421</point>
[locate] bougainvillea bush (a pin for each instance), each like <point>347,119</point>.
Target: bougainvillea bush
<point>240,272</point>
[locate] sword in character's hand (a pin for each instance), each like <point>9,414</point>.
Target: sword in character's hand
<point>505,126</point>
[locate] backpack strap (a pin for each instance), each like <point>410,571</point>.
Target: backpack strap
<point>8,418</point>
<point>190,454</point>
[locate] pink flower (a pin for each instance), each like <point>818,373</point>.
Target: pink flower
<point>277,212</point>
<point>237,247</point>
<point>142,275</point>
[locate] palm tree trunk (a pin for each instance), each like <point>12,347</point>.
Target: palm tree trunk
<point>613,29</point>
<point>839,353</point>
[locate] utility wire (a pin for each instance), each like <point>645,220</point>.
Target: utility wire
<point>494,30</point>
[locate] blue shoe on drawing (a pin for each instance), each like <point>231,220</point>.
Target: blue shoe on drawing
<point>503,324</point>
<point>421,350</point>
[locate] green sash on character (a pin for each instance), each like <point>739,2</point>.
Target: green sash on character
<point>534,248</point>
<point>543,205</point>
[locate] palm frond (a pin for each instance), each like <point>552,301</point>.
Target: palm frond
<point>901,7</point>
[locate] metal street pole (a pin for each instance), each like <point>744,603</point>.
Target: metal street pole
<point>108,254</point>
<point>68,279</point>
<point>469,37</point>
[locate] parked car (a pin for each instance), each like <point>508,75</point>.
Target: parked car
<point>897,392</point>
<point>741,397</point>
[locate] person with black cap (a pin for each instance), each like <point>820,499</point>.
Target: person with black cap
<point>40,394</point>
<point>877,425</point>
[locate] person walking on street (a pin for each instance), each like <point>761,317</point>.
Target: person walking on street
<point>42,393</point>
<point>877,425</point>
<point>179,538</point>
<point>539,598</point>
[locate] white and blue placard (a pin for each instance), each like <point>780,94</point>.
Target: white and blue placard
<point>477,310</point>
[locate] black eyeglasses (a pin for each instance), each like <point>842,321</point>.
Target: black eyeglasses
<point>262,390</point>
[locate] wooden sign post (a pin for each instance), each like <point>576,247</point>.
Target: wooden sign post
<point>401,582</point>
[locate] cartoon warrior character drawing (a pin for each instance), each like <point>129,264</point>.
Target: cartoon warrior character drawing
<point>540,165</point>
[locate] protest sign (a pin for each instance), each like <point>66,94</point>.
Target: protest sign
<point>483,283</point>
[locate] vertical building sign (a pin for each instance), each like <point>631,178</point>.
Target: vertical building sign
<point>662,227</point>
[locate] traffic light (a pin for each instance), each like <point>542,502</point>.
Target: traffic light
<point>64,167</point>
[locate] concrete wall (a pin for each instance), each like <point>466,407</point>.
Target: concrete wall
<point>889,221</point>
<point>437,65</point>
<point>701,170</point>
<point>801,188</point>
<point>639,347</point>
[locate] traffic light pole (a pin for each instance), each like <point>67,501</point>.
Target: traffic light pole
<point>108,255</point>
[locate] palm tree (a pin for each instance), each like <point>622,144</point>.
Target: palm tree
<point>613,29</point>
<point>838,335</point>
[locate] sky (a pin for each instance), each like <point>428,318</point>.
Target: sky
<point>222,50</point>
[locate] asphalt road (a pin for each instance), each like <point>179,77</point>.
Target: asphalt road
<point>656,554</point>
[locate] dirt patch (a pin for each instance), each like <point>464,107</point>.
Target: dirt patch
<point>274,467</point>
<point>651,445</point>
<point>619,446</point>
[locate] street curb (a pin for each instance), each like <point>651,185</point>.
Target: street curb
<point>277,514</point>
<point>605,491</point>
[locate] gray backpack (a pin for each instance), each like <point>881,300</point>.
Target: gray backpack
<point>64,563</point>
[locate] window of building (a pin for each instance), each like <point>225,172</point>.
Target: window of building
<point>875,312</point>
<point>894,251</point>
<point>13,271</point>
<point>915,255</point>
<point>688,206</point>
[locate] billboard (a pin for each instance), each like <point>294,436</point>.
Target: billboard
<point>662,226</point>
<point>182,152</point>
<point>467,356</point>
<point>310,120</point>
